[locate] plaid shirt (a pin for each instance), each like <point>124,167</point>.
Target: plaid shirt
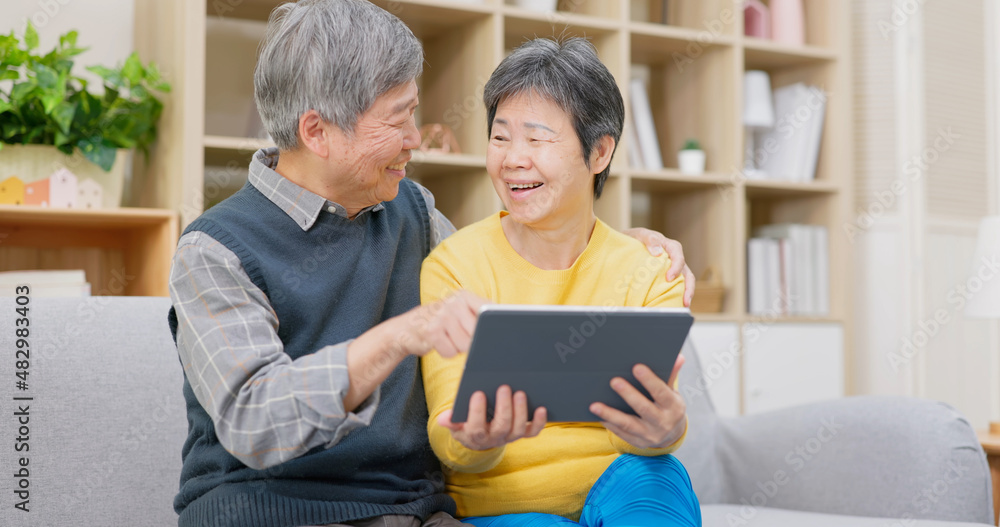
<point>267,408</point>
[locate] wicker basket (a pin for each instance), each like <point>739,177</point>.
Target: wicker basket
<point>709,292</point>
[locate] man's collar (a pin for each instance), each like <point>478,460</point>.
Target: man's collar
<point>302,206</point>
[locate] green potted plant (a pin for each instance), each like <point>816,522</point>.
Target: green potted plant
<point>691,158</point>
<point>49,119</point>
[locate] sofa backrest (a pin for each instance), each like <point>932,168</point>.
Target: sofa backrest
<point>107,418</point>
<point>698,453</point>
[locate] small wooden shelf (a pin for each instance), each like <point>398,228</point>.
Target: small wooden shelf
<point>653,40</point>
<point>768,55</point>
<point>527,22</point>
<point>427,166</point>
<point>764,188</point>
<point>671,179</point>
<point>222,151</point>
<point>758,319</point>
<point>123,251</point>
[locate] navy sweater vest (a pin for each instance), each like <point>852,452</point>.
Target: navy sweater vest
<point>327,285</point>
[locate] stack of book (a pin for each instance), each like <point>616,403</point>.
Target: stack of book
<point>789,151</point>
<point>788,271</point>
<point>45,283</point>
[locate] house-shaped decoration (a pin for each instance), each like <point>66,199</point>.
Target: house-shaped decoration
<point>89,195</point>
<point>756,19</point>
<point>62,189</point>
<point>12,191</point>
<point>37,193</point>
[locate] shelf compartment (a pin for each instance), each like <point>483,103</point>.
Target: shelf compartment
<point>427,18</point>
<point>669,207</point>
<point>820,75</point>
<point>695,99</point>
<point>465,193</point>
<point>613,204</point>
<point>123,251</point>
<point>814,208</point>
<point>260,10</point>
<point>223,151</point>
<point>714,17</point>
<point>426,166</point>
<point>527,22</point>
<point>230,59</point>
<point>651,41</point>
<point>458,64</point>
<point>521,26</point>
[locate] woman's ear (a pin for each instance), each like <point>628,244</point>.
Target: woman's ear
<point>600,155</point>
<point>313,133</point>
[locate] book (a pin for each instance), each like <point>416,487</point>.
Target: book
<point>634,152</point>
<point>645,129</point>
<point>757,265</point>
<point>821,257</point>
<point>55,283</point>
<point>792,146</point>
<point>798,269</point>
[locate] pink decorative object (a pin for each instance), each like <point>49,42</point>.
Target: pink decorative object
<point>62,189</point>
<point>756,19</point>
<point>89,195</point>
<point>37,193</point>
<point>788,22</point>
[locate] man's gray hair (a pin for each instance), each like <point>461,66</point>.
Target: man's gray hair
<point>569,73</point>
<point>332,56</point>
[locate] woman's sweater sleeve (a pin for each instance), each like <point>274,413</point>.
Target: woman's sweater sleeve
<point>441,379</point>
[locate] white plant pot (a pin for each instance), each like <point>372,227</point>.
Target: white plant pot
<point>691,162</point>
<point>544,6</point>
<point>31,163</point>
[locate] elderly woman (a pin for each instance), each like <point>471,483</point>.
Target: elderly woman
<point>555,118</point>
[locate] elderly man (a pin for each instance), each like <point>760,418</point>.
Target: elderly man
<point>295,300</point>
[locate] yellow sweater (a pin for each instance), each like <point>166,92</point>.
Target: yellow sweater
<point>553,472</point>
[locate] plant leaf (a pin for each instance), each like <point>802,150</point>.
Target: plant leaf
<point>47,77</point>
<point>68,41</point>
<point>21,91</point>
<point>97,152</point>
<point>63,115</point>
<point>132,70</point>
<point>31,36</point>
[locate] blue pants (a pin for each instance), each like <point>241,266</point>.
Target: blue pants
<point>634,491</point>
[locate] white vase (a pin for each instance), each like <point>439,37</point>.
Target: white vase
<point>544,6</point>
<point>691,162</point>
<point>31,163</point>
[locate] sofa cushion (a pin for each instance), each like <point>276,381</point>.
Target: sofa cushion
<point>107,419</point>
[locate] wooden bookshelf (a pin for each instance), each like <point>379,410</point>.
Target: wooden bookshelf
<point>713,215</point>
<point>123,251</point>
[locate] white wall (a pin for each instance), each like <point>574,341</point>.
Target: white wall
<point>104,26</point>
<point>922,75</point>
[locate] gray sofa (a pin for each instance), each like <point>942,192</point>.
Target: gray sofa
<point>107,421</point>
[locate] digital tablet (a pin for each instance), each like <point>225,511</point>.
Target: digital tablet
<point>564,357</point>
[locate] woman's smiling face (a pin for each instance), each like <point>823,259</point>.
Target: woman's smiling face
<point>536,163</point>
